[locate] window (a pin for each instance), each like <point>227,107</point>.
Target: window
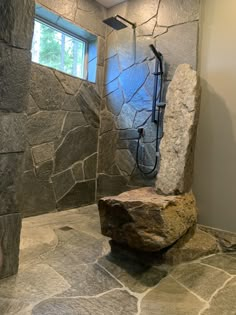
<point>64,46</point>
<point>59,50</point>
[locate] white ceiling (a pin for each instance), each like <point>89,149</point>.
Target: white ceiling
<point>109,3</point>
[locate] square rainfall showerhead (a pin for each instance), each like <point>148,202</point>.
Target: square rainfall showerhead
<point>114,23</point>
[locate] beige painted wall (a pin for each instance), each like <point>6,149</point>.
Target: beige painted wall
<point>215,164</point>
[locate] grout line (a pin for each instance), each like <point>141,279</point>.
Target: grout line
<point>88,297</point>
<point>67,191</point>
<point>55,75</point>
<point>214,267</point>
<point>63,123</point>
<point>140,299</point>
<point>220,288</point>
<point>190,291</point>
<point>214,294</point>
<point>142,295</point>
<point>183,23</point>
<point>123,286</point>
<point>204,257</point>
<point>139,296</point>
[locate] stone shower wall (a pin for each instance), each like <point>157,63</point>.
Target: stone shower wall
<point>88,14</point>
<point>62,124</point>
<point>126,104</point>
<point>62,139</point>
<point>172,26</point>
<point>16,20</point>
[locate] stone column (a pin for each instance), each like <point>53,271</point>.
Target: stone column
<point>180,127</point>
<point>16,27</point>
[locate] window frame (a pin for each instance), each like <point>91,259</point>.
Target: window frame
<point>40,19</point>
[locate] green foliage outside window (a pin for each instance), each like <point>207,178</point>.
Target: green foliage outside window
<point>55,49</point>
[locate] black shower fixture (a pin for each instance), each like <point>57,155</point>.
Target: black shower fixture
<point>157,103</point>
<point>116,22</point>
<point>158,108</point>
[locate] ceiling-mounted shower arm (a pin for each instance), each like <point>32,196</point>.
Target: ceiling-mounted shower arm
<point>127,21</point>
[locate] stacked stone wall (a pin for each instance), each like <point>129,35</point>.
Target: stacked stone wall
<point>62,140</point>
<point>80,148</point>
<point>16,26</point>
<point>170,25</point>
<point>63,118</point>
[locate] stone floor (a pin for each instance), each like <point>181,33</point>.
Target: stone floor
<point>65,269</point>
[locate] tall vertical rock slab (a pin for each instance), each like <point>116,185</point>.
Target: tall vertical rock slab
<point>172,27</point>
<point>16,25</point>
<point>10,227</point>
<point>180,126</point>
<point>16,29</point>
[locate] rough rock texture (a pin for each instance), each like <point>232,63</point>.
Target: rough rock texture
<point>44,170</point>
<point>16,22</point>
<point>201,279</point>
<point>107,157</point>
<point>43,79</point>
<point>89,102</point>
<point>90,167</point>
<point>63,115</point>
<point>12,133</point>
<point>105,304</point>
<point>43,152</point>
<point>62,133</point>
<point>10,227</point>
<point>171,12</point>
<point>111,184</point>
<point>179,46</point>
<point>125,161</point>
<point>146,221</point>
<point>15,65</point>
<point>16,28</point>
<point>44,126</point>
<point>10,170</point>
<point>90,15</point>
<point>171,26</point>
<point>73,120</point>
<point>82,193</point>
<point>115,100</point>
<point>223,301</point>
<point>112,69</point>
<point>173,298</point>
<point>180,126</point>
<point>223,261</point>
<point>36,196</point>
<point>138,277</point>
<point>66,270</point>
<point>140,73</point>
<point>140,11</point>
<point>62,183</point>
<point>226,240</point>
<point>84,139</point>
<point>193,245</point>
<point>190,247</point>
<point>78,171</point>
<point>121,69</point>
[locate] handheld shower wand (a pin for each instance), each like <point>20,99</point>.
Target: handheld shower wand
<point>157,109</point>
<point>158,78</point>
